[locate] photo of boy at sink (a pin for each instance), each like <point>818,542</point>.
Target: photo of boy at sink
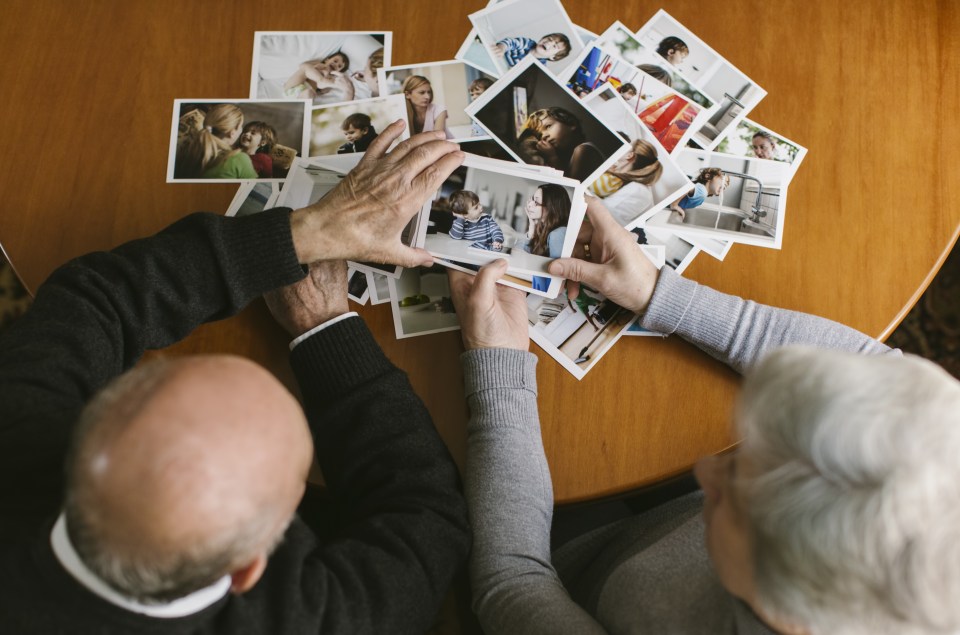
<point>733,199</point>
<point>710,182</point>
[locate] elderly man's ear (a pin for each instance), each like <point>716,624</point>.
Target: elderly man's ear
<point>243,579</point>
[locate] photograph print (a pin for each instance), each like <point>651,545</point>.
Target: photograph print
<point>324,67</point>
<point>253,197</point>
<point>514,30</point>
<point>620,39</point>
<point>578,332</point>
<point>351,127</point>
<point>437,95</point>
<point>734,92</point>
<point>234,140</point>
<point>643,179</point>
<point>540,122</point>
<point>421,302</point>
<point>732,199</point>
<point>484,212</point>
<point>668,114</point>
<point>752,140</point>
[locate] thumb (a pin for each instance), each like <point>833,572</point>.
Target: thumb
<point>486,282</point>
<point>577,270</point>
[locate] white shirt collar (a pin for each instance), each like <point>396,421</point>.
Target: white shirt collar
<point>181,607</point>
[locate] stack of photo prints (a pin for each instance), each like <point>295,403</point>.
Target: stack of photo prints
<point>654,122</point>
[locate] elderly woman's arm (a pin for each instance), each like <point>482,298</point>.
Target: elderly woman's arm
<point>735,331</point>
<point>507,480</point>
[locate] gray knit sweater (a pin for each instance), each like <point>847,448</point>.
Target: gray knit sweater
<point>647,574</point>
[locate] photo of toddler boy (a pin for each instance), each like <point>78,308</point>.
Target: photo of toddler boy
<point>472,223</point>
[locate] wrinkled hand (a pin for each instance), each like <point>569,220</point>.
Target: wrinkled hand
<point>363,217</point>
<point>616,266</point>
<point>320,296</point>
<point>491,315</point>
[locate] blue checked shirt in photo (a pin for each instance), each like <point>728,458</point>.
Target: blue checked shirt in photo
<point>517,49</point>
<point>484,230</point>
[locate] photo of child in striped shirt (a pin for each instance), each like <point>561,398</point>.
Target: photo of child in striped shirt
<point>471,223</point>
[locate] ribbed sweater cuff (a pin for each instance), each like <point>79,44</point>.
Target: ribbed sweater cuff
<point>671,300</point>
<point>338,358</point>
<point>261,249</point>
<point>493,368</point>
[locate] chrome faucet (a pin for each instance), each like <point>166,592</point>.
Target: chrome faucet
<point>756,210</point>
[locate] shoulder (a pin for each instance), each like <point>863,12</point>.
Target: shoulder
<point>555,240</point>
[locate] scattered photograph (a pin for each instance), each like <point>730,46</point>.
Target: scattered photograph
<point>635,330</point>
<point>421,302</point>
<point>540,122</point>
<point>643,179</point>
<point>437,95</point>
<point>358,288</point>
<point>516,29</point>
<point>483,212</point>
<point>253,197</point>
<point>713,247</point>
<point>235,140</point>
<point>672,117</point>
<point>678,252</point>
<point>620,39</point>
<point>324,67</point>
<point>310,180</point>
<point>734,92</point>
<point>379,289</point>
<point>753,141</point>
<point>732,199</point>
<point>351,127</point>
<point>473,51</point>
<point>577,333</point>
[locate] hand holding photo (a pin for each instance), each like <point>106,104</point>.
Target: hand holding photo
<point>235,140</point>
<point>487,210</point>
<point>324,67</point>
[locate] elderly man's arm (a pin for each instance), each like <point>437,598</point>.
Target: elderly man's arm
<point>507,479</point>
<point>403,532</point>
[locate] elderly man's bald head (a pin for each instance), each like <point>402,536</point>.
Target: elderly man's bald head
<point>183,471</point>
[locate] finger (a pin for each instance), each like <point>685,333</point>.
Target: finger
<point>432,175</point>
<point>578,270</point>
<point>379,146</point>
<point>573,289</point>
<point>409,257</point>
<point>484,287</point>
<point>407,146</point>
<point>599,217</point>
<point>460,284</point>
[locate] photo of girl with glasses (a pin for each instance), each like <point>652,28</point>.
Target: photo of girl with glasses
<point>548,212</point>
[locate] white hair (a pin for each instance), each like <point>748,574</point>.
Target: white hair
<point>853,491</point>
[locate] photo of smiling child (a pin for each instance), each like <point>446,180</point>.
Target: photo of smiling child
<point>471,223</point>
<point>514,30</point>
<point>359,132</point>
<point>256,140</point>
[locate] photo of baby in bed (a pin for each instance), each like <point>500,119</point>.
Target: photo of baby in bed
<point>325,67</point>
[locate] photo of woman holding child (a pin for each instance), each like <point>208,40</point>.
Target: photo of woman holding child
<point>237,141</point>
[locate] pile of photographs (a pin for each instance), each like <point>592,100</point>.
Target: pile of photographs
<point>654,122</point>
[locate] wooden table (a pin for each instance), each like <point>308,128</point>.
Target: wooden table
<point>870,87</point>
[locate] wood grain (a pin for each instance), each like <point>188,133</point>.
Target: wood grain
<point>871,88</point>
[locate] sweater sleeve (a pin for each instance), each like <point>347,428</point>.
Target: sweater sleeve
<point>496,234</point>
<point>510,498</point>
<point>739,332</point>
<point>96,315</point>
<point>403,533</point>
<point>456,229</point>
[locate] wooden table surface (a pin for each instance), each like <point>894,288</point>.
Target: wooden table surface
<point>871,88</point>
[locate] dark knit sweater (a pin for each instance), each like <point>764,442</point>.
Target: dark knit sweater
<point>402,532</point>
